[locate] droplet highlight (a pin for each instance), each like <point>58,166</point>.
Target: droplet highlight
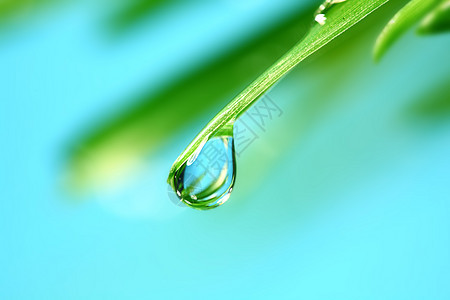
<point>320,14</point>
<point>207,178</point>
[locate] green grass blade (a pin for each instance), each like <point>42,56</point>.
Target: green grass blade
<point>153,117</point>
<point>437,21</point>
<point>339,19</point>
<point>9,8</point>
<point>404,19</point>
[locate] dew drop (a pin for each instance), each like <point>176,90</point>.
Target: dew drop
<point>206,179</point>
<point>321,19</point>
<point>320,14</point>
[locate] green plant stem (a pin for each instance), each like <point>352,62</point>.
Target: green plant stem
<point>339,19</point>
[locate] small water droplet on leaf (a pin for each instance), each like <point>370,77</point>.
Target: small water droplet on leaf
<point>320,14</point>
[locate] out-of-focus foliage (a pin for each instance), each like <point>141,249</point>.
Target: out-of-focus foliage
<point>433,105</point>
<point>8,7</point>
<point>123,15</point>
<point>404,19</point>
<point>435,16</point>
<point>11,8</point>
<point>437,21</point>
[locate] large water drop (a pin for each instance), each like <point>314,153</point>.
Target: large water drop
<point>206,179</point>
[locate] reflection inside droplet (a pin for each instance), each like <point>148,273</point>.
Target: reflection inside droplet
<point>206,180</point>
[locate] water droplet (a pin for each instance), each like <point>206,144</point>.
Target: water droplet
<point>321,19</point>
<point>206,179</point>
<point>320,14</point>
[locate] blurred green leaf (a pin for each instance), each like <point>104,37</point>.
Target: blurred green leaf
<point>437,21</point>
<point>9,8</point>
<point>434,104</point>
<point>135,11</point>
<point>404,19</point>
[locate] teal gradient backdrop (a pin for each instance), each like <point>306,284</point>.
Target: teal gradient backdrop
<point>345,195</point>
